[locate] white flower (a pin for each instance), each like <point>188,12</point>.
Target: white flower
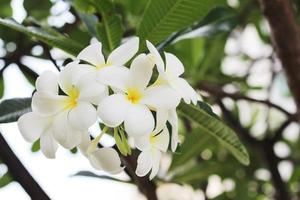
<point>74,112</point>
<point>152,147</point>
<point>133,102</point>
<point>162,116</point>
<point>33,126</point>
<point>105,158</point>
<point>169,74</point>
<point>118,57</point>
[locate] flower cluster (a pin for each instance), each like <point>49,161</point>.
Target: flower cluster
<point>92,89</point>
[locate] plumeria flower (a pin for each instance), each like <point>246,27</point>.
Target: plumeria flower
<point>162,116</point>
<point>134,100</point>
<point>74,112</point>
<point>152,147</point>
<point>118,57</point>
<point>169,73</point>
<point>106,158</point>
<point>32,126</point>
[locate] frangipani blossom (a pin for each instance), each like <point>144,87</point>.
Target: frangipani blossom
<point>32,126</point>
<point>169,74</point>
<point>74,112</point>
<point>105,158</point>
<point>162,116</point>
<point>133,102</point>
<point>118,57</point>
<point>152,147</point>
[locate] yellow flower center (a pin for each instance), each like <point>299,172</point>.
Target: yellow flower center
<point>152,139</point>
<point>71,102</point>
<point>134,96</point>
<point>103,65</point>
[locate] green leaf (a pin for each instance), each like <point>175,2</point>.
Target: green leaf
<point>12,109</point>
<point>36,146</point>
<point>5,8</point>
<point>49,37</point>
<point>211,125</point>
<point>1,86</point>
<point>163,18</point>
<point>5,179</point>
<point>188,149</point>
<point>109,30</point>
<point>29,74</point>
<point>91,174</point>
<point>38,9</point>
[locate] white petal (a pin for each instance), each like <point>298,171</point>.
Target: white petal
<point>173,119</point>
<point>156,156</point>
<point>143,142</point>
<point>82,116</point>
<point>47,104</point>
<point>85,143</point>
<point>70,75</point>
<point>161,97</point>
<point>64,133</point>
<point>156,56</point>
<point>47,82</point>
<point>162,139</point>
<point>32,126</point>
<point>185,90</point>
<point>141,71</point>
<point>106,159</point>
<point>144,163</point>
<point>139,121</point>
<point>92,54</point>
<point>117,77</point>
<point>90,90</point>
<point>113,109</point>
<point>124,53</point>
<point>174,67</point>
<point>48,144</point>
<point>161,120</point>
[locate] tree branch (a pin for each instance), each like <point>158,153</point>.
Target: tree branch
<point>220,93</point>
<point>19,172</point>
<point>286,39</point>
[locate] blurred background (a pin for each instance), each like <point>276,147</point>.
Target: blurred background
<point>228,58</point>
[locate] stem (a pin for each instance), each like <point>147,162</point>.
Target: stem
<point>19,172</point>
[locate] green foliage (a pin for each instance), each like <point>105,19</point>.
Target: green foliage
<point>121,142</point>
<point>36,146</point>
<point>38,9</point>
<point>163,18</point>
<point>5,179</point>
<point>109,30</point>
<point>12,109</point>
<point>1,86</point>
<point>53,39</point>
<point>210,125</point>
<point>6,10</point>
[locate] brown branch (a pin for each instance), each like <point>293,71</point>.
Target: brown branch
<point>286,39</point>
<point>236,125</point>
<point>272,164</point>
<point>147,187</point>
<point>217,91</point>
<point>19,172</point>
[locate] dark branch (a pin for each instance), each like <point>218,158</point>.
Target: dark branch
<point>19,172</point>
<point>286,39</point>
<point>220,93</point>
